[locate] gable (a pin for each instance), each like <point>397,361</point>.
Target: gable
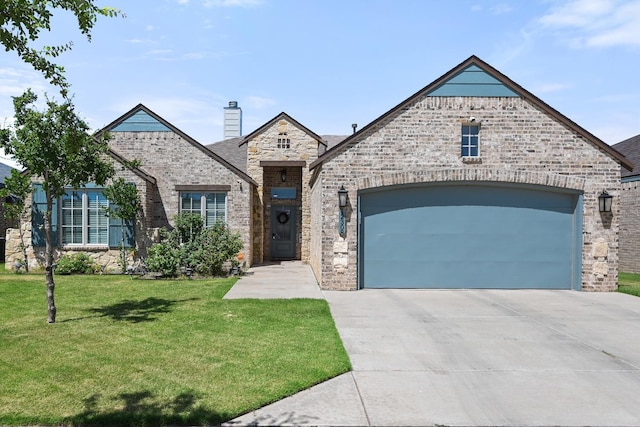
<point>277,120</point>
<point>472,81</point>
<point>473,78</point>
<point>140,121</point>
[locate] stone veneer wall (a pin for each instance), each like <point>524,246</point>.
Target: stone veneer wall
<point>630,227</point>
<point>519,144</point>
<point>174,161</point>
<point>263,147</point>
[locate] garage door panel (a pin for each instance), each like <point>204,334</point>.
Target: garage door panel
<point>486,237</point>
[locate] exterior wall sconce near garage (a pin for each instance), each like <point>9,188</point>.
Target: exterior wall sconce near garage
<point>604,201</point>
<point>283,175</point>
<point>343,196</point>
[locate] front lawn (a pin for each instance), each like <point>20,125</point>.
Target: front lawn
<point>629,283</point>
<point>134,352</point>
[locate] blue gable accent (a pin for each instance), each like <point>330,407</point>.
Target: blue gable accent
<point>140,122</point>
<point>472,81</point>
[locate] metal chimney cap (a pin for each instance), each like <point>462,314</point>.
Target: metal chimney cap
<point>233,104</point>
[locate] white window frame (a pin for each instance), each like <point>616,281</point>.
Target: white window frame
<point>84,220</point>
<point>203,204</point>
<point>466,140</point>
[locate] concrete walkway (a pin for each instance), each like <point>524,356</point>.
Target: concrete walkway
<point>285,279</point>
<point>482,357</point>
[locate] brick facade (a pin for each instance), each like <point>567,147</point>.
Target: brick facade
<point>173,161</point>
<point>421,143</point>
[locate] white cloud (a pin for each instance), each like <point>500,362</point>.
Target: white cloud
<point>231,3</point>
<point>183,1</point>
<point>596,23</point>
<point>150,27</point>
<point>258,102</point>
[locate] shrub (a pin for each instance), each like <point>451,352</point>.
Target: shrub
<point>212,248</point>
<point>189,245</point>
<point>78,263</point>
<point>164,257</point>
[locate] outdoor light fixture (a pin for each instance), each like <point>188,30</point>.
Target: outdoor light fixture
<point>604,201</point>
<point>283,175</point>
<point>343,195</point>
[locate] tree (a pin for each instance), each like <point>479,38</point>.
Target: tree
<point>126,206</point>
<point>21,22</point>
<point>14,195</point>
<point>55,147</point>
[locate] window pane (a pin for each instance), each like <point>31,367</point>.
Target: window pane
<point>221,201</point>
<point>474,151</point>
<point>191,202</point>
<point>473,130</point>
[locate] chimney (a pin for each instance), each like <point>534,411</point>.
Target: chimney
<point>232,120</point>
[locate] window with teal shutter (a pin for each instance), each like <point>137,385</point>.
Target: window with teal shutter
<point>83,220</point>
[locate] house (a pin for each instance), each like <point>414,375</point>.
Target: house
<point>5,171</point>
<point>630,206</point>
<point>471,182</point>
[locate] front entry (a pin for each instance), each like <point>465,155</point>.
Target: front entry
<point>283,232</point>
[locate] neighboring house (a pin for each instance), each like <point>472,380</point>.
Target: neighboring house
<point>5,171</point>
<point>630,207</point>
<point>472,182</point>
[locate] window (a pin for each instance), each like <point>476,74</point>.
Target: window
<point>283,140</point>
<point>283,193</point>
<point>212,206</point>
<point>79,218</point>
<point>470,140</point>
<point>84,219</point>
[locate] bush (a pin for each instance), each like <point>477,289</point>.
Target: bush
<point>163,257</point>
<point>78,263</point>
<point>212,248</point>
<point>189,245</point>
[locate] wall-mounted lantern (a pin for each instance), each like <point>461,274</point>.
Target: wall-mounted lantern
<point>343,196</point>
<point>604,201</point>
<point>283,175</point>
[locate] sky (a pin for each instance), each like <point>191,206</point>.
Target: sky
<point>331,63</point>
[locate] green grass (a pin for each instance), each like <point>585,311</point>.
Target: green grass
<point>134,352</point>
<point>629,283</point>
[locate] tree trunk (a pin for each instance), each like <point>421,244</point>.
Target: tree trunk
<point>23,246</point>
<point>48,260</point>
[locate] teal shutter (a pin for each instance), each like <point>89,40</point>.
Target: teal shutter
<point>38,209</point>
<point>115,233</point>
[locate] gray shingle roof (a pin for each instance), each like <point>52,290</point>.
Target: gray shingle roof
<point>233,151</point>
<point>630,148</point>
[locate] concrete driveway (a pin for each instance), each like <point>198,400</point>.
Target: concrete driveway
<point>481,357</point>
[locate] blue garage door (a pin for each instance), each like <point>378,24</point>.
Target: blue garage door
<point>469,236</point>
